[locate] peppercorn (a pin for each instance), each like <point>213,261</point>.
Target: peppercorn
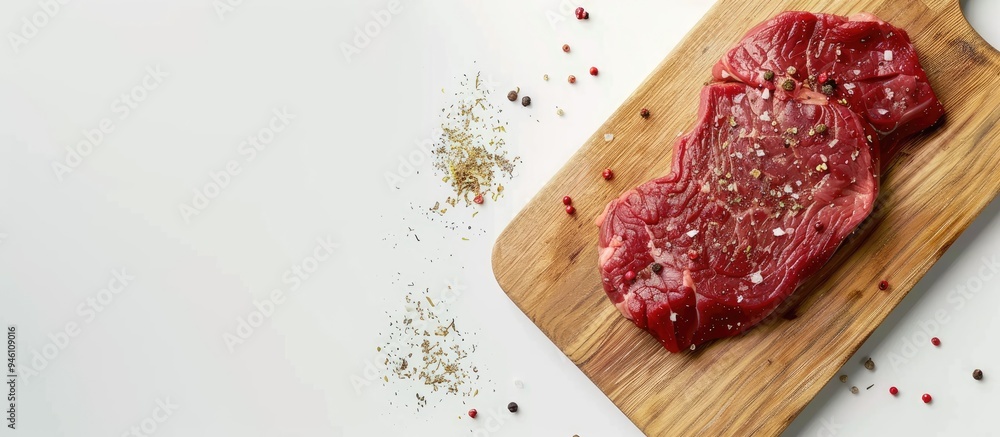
<point>657,268</point>
<point>478,199</point>
<point>820,128</point>
<point>473,413</point>
<point>768,75</point>
<point>883,285</point>
<point>936,341</point>
<point>512,96</point>
<point>566,48</point>
<point>893,391</point>
<point>788,85</point>
<point>570,210</point>
<point>854,389</point>
<point>526,101</point>
<point>629,276</point>
<point>567,200</point>
<point>644,113</point>
<point>843,378</point>
<point>572,79</point>
<point>593,71</point>
<point>790,70</point>
<point>977,374</point>
<point>869,364</point>
<point>607,174</point>
<point>512,407</point>
<point>926,398</point>
<point>827,89</point>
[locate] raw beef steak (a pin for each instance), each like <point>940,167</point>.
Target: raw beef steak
<point>781,167</point>
<point>867,64</point>
<point>757,200</point>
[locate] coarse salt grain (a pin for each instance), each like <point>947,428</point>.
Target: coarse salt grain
<point>882,111</point>
<point>739,299</point>
<point>834,143</point>
<point>788,188</point>
<point>760,152</point>
<point>756,278</point>
<point>887,55</point>
<point>765,116</point>
<point>725,74</point>
<point>673,316</point>
<point>609,137</point>
<point>778,232</point>
<point>857,72</point>
<point>692,233</point>
<point>849,86</point>
<point>766,94</point>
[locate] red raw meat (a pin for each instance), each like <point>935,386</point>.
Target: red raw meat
<point>871,65</point>
<point>769,182</point>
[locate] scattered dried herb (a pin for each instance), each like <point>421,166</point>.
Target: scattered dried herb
<point>471,153</point>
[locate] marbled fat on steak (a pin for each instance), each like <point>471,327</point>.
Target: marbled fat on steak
<point>770,181</point>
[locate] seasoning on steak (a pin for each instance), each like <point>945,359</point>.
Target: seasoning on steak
<point>866,62</point>
<point>732,225</point>
<point>781,166</point>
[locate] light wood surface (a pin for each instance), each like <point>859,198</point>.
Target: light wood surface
<point>757,383</point>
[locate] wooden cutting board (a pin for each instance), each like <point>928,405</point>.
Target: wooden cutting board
<point>757,383</point>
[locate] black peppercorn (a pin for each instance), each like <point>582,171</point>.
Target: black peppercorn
<point>768,75</point>
<point>820,128</point>
<point>512,407</point>
<point>512,96</point>
<point>526,101</point>
<point>656,267</point>
<point>788,85</point>
<point>977,374</point>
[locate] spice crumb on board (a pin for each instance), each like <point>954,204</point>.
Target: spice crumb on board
<point>869,387</point>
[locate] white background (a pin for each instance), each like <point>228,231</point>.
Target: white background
<point>323,177</point>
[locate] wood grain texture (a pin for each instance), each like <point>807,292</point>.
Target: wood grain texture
<point>756,384</point>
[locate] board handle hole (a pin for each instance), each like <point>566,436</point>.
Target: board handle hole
<point>983,15</point>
